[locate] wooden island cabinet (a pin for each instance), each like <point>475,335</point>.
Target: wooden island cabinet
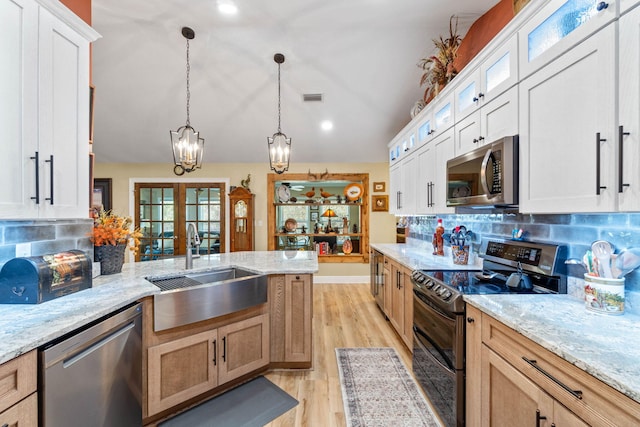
<point>514,381</point>
<point>18,386</point>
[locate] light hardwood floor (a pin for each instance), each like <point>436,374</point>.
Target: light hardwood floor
<point>345,315</point>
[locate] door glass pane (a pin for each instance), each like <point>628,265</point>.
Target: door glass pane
<point>563,21</point>
<point>443,115</point>
<point>498,72</point>
<point>192,213</point>
<point>424,130</point>
<point>156,195</point>
<point>192,195</point>
<point>465,99</point>
<point>156,206</point>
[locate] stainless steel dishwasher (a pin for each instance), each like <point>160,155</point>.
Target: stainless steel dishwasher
<point>94,377</point>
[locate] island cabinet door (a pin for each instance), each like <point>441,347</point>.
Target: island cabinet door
<point>290,299</point>
<point>181,369</point>
<point>243,347</point>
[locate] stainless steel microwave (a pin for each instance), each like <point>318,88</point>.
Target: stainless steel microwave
<point>486,176</point>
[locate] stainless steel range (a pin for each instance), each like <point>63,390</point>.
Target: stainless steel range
<point>439,312</point>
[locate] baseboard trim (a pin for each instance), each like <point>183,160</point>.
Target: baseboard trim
<point>341,279</point>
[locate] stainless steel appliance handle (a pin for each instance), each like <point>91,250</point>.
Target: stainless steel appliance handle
<point>417,332</point>
<point>483,172</point>
<point>84,353</point>
<point>621,135</point>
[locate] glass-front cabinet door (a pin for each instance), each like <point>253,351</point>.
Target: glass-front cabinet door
<point>327,215</point>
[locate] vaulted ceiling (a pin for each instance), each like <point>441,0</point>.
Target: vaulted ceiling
<point>361,55</point>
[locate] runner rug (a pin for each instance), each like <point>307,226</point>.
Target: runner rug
<point>377,390</point>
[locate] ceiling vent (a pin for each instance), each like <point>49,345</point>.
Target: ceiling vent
<point>311,97</point>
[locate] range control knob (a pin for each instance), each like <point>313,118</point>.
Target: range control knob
<point>428,283</point>
<point>447,295</point>
<point>435,288</point>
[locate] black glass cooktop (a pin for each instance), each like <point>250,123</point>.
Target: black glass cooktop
<point>494,282</point>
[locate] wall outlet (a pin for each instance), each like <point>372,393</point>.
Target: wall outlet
<point>23,249</point>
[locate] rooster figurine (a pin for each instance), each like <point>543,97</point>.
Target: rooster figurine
<point>311,193</point>
<point>324,194</point>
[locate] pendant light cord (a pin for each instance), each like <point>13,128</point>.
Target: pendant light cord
<point>279,98</point>
<point>188,91</point>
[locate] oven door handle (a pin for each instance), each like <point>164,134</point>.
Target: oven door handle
<point>417,331</point>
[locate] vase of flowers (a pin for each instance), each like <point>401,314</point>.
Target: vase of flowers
<point>111,235</point>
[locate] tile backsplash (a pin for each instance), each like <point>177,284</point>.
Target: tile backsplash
<point>38,237</point>
<point>576,231</point>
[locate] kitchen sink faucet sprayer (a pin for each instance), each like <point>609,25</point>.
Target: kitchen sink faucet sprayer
<point>193,241</point>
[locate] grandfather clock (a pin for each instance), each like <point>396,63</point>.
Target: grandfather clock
<point>242,234</point>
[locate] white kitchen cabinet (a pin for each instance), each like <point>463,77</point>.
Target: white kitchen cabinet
<point>564,108</point>
<point>626,5</point>
<point>497,73</point>
<point>559,26</point>
<point>628,136</point>
<point>45,51</point>
<point>402,186</point>
<point>431,191</point>
<point>494,120</point>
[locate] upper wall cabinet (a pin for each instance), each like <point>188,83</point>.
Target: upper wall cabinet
<point>44,49</point>
<point>628,129</point>
<point>626,5</point>
<point>492,77</point>
<point>567,142</point>
<point>557,27</point>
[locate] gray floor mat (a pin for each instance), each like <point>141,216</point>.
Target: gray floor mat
<point>255,403</point>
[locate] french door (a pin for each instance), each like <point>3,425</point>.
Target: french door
<point>163,210</point>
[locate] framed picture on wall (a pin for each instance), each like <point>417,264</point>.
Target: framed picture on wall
<point>313,208</point>
<point>101,194</point>
<point>378,187</point>
<point>380,203</point>
<point>314,216</point>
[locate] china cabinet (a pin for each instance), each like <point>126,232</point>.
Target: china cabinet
<point>241,212</point>
<point>307,213</point>
<point>45,89</point>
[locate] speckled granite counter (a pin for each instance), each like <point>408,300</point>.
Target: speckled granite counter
<point>606,347</point>
<point>419,257</point>
<point>24,327</point>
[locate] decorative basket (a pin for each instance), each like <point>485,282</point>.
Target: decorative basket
<point>110,257</point>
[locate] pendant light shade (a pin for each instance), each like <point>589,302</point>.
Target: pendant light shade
<point>279,145</point>
<point>187,146</point>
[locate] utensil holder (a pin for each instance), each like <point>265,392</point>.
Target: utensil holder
<point>460,254</point>
<point>603,295</point>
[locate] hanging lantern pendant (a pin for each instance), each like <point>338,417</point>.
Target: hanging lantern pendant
<point>187,146</point>
<point>279,145</point>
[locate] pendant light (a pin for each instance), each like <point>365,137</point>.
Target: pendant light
<point>186,143</point>
<point>279,145</point>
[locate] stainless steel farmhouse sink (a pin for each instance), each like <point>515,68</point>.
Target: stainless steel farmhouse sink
<point>189,298</point>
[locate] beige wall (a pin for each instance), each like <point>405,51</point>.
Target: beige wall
<point>381,224</point>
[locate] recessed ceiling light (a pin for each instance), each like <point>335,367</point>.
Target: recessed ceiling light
<point>227,7</point>
<point>326,125</point>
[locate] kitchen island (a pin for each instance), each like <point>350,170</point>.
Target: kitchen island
<point>24,327</point>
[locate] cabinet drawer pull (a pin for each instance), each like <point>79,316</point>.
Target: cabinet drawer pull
<point>539,417</point>
<point>621,135</point>
<point>36,157</point>
<point>224,349</point>
<point>5,425</point>
<point>575,393</point>
<point>215,352</point>
<point>598,186</point>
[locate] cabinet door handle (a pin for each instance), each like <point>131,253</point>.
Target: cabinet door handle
<point>399,199</point>
<point>215,352</point>
<point>621,135</point>
<point>539,417</point>
<point>534,364</point>
<point>480,138</point>
<point>475,141</point>
<point>602,6</point>
<point>598,186</point>
<point>470,320</point>
<point>36,157</point>
<point>50,161</point>
<point>224,349</point>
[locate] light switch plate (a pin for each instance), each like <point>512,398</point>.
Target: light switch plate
<point>23,249</point>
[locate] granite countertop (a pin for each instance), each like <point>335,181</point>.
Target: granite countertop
<point>419,256</point>
<point>24,327</point>
<point>604,346</point>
